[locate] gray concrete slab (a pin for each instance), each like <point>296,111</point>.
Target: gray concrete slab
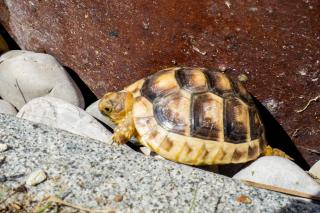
<point>91,174</point>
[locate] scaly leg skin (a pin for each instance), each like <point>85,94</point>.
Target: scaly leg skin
<point>269,151</point>
<point>125,130</point>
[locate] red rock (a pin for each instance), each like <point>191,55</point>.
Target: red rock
<point>113,43</point>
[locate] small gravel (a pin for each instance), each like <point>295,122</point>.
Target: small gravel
<point>36,177</point>
<point>3,147</point>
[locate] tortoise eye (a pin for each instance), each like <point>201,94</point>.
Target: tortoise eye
<point>108,109</point>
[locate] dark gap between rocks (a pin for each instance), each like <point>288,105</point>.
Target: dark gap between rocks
<point>278,138</point>
<point>11,43</point>
<point>88,95</point>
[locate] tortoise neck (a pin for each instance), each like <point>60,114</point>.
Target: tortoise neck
<point>127,108</point>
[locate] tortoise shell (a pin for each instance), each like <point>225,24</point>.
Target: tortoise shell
<point>197,116</point>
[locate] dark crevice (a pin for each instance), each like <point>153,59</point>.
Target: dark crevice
<point>24,98</point>
<point>278,138</point>
<point>9,40</point>
<point>88,95</point>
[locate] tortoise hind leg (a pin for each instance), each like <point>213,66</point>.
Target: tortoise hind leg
<point>124,130</point>
<point>269,151</point>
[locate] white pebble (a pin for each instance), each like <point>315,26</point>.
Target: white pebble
<point>36,177</point>
<point>280,172</point>
<point>315,170</point>
<point>159,157</point>
<point>145,150</point>
<point>3,147</point>
<point>7,108</point>
<point>25,75</point>
<point>63,115</point>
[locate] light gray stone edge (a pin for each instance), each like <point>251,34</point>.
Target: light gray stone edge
<point>90,173</point>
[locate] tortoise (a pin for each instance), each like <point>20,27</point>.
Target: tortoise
<point>189,115</point>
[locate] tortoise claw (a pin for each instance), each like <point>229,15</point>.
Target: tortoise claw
<point>119,139</point>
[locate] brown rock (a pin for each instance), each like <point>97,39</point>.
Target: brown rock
<point>118,198</point>
<point>113,43</point>
<point>244,199</point>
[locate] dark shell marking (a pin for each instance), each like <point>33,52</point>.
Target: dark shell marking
<point>215,108</point>
<point>236,120</point>
<point>207,116</point>
<point>192,80</point>
<point>160,83</point>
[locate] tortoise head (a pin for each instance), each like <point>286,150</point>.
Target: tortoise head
<point>116,105</point>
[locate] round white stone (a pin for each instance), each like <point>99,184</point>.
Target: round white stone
<point>7,108</point>
<point>159,157</point>
<point>280,172</point>
<point>3,147</point>
<point>315,170</point>
<point>25,75</point>
<point>36,177</point>
<point>63,115</point>
<point>145,150</point>
<point>94,111</point>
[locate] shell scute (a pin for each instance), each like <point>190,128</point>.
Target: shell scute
<point>236,126</point>
<point>160,84</point>
<point>207,116</point>
<point>173,113</point>
<point>135,88</point>
<point>142,107</point>
<point>256,128</point>
<point>145,125</point>
<point>219,83</point>
<point>193,80</point>
<point>243,94</point>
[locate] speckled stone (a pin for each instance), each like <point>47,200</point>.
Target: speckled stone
<point>91,174</point>
<point>2,158</point>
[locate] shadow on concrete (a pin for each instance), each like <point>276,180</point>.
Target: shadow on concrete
<point>301,205</point>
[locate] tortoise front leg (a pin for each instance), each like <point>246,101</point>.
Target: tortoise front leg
<point>124,130</point>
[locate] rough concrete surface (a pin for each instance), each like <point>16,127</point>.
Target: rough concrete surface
<point>95,175</point>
